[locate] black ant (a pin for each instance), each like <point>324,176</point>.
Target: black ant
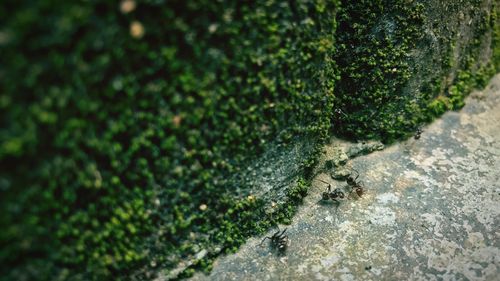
<point>354,184</point>
<point>334,195</point>
<point>418,133</point>
<point>279,240</point>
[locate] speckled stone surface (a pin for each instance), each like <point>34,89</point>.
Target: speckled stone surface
<point>431,211</point>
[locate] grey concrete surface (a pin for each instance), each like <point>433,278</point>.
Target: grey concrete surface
<point>430,211</point>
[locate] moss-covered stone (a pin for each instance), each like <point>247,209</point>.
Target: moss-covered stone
<point>402,63</point>
<point>133,138</point>
<point>121,127</point>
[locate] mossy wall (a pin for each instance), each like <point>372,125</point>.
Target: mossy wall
<point>120,129</point>
<point>403,63</point>
<point>129,137</point>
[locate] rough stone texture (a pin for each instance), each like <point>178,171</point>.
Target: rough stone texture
<point>430,211</point>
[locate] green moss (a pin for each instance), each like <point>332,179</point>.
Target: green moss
<point>470,74</point>
<point>116,151</point>
<point>377,41</point>
<point>299,191</point>
<point>373,61</point>
<point>439,106</point>
<point>111,144</point>
<point>495,24</point>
